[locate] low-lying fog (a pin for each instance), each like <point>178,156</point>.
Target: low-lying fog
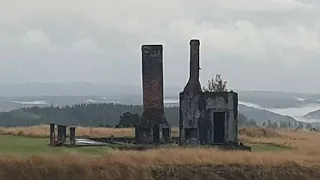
<point>295,112</point>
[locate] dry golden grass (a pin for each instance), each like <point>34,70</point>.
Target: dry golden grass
<point>149,165</point>
<point>301,161</point>
<point>299,141</point>
<point>178,163</point>
<point>286,138</point>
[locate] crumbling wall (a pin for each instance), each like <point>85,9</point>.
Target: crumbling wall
<point>197,123</point>
<point>190,113</point>
<point>225,102</point>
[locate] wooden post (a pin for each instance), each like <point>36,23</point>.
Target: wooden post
<point>72,136</point>
<point>62,133</point>
<point>52,134</point>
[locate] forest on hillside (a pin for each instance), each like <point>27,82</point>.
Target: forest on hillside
<point>120,115</point>
<point>85,115</point>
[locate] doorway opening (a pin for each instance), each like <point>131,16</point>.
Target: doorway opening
<point>219,119</point>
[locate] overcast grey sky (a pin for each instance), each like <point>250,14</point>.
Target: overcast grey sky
<point>255,44</point>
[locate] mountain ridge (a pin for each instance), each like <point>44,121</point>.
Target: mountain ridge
<point>82,88</point>
<point>61,94</point>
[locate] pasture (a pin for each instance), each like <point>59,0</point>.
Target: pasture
<point>277,154</point>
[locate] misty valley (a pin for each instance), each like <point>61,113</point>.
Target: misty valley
<point>97,110</point>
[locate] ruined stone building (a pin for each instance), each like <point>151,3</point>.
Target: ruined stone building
<point>206,117</point>
<point>154,128</point>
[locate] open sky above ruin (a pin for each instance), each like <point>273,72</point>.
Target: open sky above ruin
<point>265,44</point>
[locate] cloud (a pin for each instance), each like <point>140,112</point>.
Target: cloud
<point>37,39</point>
<point>248,33</point>
<point>250,41</point>
<point>87,45</point>
<point>262,5</point>
<point>146,22</point>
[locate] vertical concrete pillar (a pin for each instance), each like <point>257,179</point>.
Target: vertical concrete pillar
<point>72,136</point>
<point>152,84</point>
<point>62,133</point>
<point>52,134</point>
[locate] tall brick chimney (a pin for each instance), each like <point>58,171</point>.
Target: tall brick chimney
<point>153,117</point>
<point>152,79</point>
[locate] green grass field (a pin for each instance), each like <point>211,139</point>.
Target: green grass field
<point>276,154</point>
<point>19,145</point>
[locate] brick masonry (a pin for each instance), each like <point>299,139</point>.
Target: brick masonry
<point>153,116</point>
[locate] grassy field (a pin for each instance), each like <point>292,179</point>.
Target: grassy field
<point>277,154</point>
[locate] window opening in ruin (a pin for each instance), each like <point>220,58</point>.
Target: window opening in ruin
<point>165,132</point>
<point>156,134</point>
<point>191,133</point>
<point>219,126</point>
<point>144,132</point>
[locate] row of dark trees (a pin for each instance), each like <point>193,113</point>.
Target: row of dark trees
<point>79,114</point>
<point>106,115</point>
<point>128,119</point>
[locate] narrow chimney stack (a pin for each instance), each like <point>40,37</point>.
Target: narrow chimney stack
<point>152,79</point>
<point>193,86</point>
<point>194,59</point>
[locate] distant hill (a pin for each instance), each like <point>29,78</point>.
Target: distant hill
<point>13,103</point>
<point>66,89</point>
<point>13,97</point>
<point>84,115</point>
<point>266,99</point>
<point>273,99</point>
<point>95,114</point>
<point>313,115</point>
<point>76,89</point>
<point>261,116</point>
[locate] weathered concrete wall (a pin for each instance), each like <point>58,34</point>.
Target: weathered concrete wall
<point>227,102</point>
<point>72,131</point>
<point>199,115</point>
<point>144,135</point>
<point>52,134</point>
<point>189,118</point>
<point>153,116</point>
<point>62,133</point>
<point>189,99</point>
<point>197,109</point>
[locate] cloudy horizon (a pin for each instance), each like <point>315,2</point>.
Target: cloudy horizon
<point>267,44</point>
